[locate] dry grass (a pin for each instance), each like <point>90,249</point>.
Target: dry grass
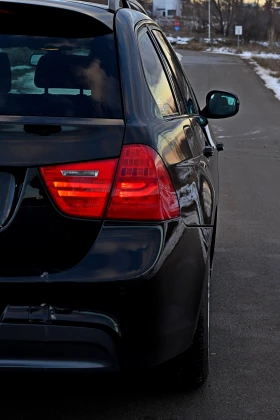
<point>192,45</point>
<point>257,49</point>
<point>271,64</point>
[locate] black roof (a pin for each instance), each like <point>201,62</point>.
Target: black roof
<point>110,5</point>
<point>95,10</point>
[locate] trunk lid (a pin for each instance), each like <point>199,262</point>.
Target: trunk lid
<point>34,236</point>
<point>60,103</point>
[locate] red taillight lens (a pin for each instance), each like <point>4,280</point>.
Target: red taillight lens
<point>81,189</point>
<point>142,189</point>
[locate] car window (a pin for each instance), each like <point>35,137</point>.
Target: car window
<point>189,101</point>
<point>156,77</point>
<point>52,71</point>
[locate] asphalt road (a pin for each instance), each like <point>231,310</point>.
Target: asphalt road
<point>245,341</point>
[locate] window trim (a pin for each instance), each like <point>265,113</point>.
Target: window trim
<point>185,76</point>
<point>192,94</point>
<point>145,30</point>
<point>172,80</point>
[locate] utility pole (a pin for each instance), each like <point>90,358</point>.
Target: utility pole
<point>209,20</point>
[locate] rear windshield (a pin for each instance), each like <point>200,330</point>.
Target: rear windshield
<point>57,63</point>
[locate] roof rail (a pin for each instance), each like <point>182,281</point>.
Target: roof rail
<point>134,4</point>
<point>114,5</point>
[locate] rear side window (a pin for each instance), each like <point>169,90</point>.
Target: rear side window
<point>59,64</point>
<point>156,77</point>
<point>190,104</point>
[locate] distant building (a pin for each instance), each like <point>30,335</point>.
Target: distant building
<point>167,8</point>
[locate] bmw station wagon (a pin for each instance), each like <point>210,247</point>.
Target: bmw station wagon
<point>108,193</point>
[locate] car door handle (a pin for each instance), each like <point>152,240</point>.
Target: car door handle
<point>209,151</point>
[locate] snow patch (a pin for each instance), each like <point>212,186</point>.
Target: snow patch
<point>21,68</point>
<point>244,54</point>
<point>249,54</point>
<point>270,82</point>
<point>178,40</point>
<point>221,50</point>
<point>171,39</point>
<point>183,41</point>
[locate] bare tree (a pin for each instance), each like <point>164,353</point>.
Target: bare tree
<point>269,8</point>
<point>254,18</point>
<point>222,12</point>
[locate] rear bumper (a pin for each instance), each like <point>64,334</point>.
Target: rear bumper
<point>66,348</point>
<point>87,322</point>
<point>44,337</point>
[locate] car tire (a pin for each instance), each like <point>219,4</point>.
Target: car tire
<point>190,369</point>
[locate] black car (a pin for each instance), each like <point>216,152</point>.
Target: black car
<point>108,193</point>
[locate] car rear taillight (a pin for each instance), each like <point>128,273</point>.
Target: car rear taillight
<point>142,188</point>
<point>81,189</point>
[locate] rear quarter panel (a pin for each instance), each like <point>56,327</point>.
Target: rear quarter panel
<point>175,284</point>
<point>193,177</point>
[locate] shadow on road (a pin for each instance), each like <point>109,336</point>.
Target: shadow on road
<point>88,397</point>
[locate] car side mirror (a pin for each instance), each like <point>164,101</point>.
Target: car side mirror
<point>33,61</point>
<point>220,104</point>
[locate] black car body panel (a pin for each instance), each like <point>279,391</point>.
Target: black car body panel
<point>189,168</point>
<point>74,141</point>
<point>97,12</point>
<point>156,313</point>
<point>98,294</point>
